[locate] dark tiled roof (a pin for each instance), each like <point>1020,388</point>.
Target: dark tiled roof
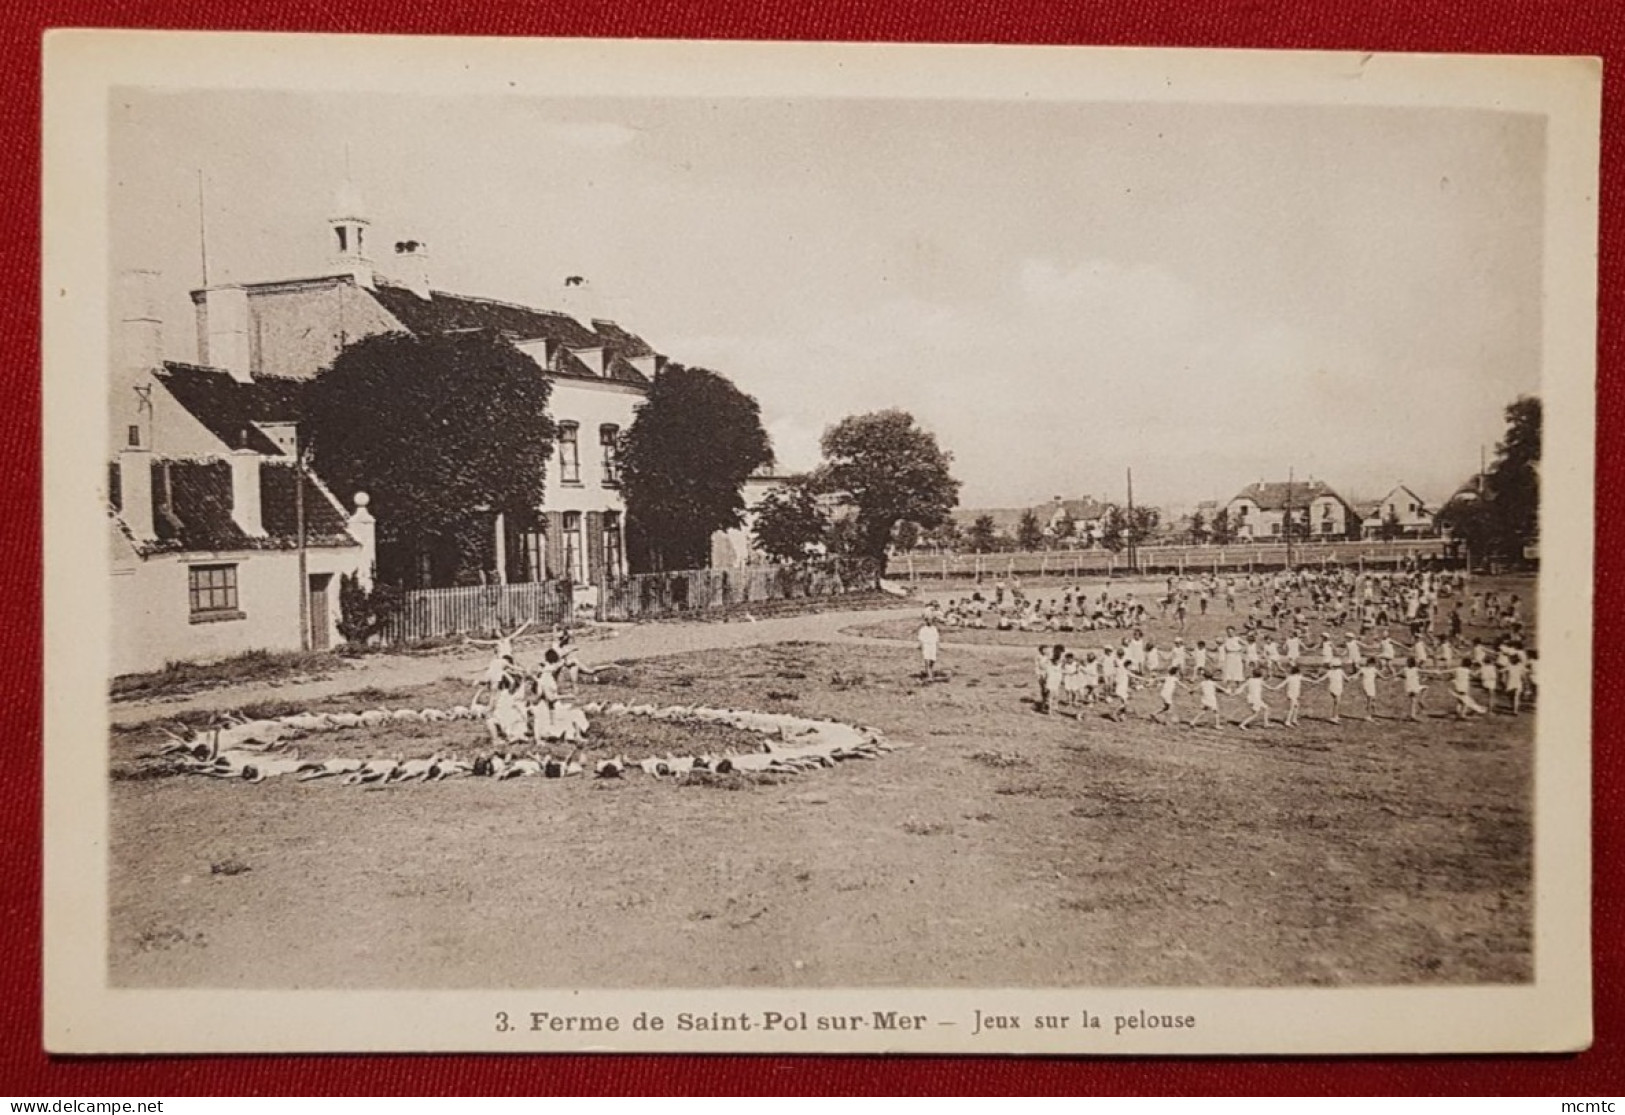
<point>1273,496</point>
<point>229,408</point>
<point>622,370</point>
<point>192,506</point>
<point>449,313</point>
<point>325,523</point>
<point>627,344</point>
<point>192,510</point>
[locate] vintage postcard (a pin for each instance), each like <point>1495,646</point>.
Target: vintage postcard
<point>745,547</point>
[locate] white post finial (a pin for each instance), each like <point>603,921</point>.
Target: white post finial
<point>364,529</point>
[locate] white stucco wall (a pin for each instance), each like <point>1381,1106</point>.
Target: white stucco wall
<point>590,405</point>
<point>152,622</point>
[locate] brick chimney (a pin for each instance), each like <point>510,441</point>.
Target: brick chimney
<point>245,492</point>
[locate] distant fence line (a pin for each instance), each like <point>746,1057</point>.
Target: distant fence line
<point>1174,559</point>
<point>656,595</point>
<point>481,610</point>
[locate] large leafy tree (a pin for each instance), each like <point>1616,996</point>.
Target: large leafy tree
<point>684,461</point>
<point>1198,528</point>
<point>434,429</point>
<point>1506,515</point>
<point>790,523</point>
<point>1113,528</point>
<point>983,535</point>
<point>1141,524</point>
<point>1223,531</point>
<point>889,470</point>
<point>1029,532</point>
<point>1513,481</point>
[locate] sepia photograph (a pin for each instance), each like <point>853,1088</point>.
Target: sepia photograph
<point>735,547</point>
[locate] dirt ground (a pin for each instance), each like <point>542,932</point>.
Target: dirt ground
<point>1003,848</point>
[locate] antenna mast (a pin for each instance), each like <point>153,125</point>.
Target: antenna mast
<point>202,230</point>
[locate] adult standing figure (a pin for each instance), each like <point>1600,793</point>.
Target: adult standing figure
<point>1234,665</point>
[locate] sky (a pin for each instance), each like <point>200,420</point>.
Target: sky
<point>1060,291</point>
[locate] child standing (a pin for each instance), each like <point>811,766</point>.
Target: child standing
<point>1414,687</point>
<point>1293,684</point>
<point>1254,691</point>
<point>1210,700</point>
<point>1335,678</point>
<point>1170,686</point>
<point>930,640</point>
<point>1368,688</point>
<point>1461,688</point>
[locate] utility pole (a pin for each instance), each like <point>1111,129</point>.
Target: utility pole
<point>202,231</point>
<point>299,527</point>
<point>1133,563</point>
<point>1291,474</point>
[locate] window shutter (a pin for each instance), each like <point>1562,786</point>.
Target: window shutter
<point>595,547</point>
<point>553,523</point>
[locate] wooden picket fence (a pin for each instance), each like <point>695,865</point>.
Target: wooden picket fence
<point>479,610</point>
<point>653,595</point>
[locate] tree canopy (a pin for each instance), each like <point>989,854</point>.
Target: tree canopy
<point>684,461</point>
<point>983,535</point>
<point>1029,532</point>
<point>890,470</point>
<point>1504,517</point>
<point>432,428</point>
<point>790,523</point>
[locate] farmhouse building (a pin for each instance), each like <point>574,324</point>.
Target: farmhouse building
<point>292,329</point>
<point>1401,513</point>
<point>1087,517</point>
<point>205,500</point>
<point>1259,511</point>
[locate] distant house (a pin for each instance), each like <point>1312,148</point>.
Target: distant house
<point>1402,511</point>
<point>1087,516</point>
<point>204,504</point>
<point>1259,511</point>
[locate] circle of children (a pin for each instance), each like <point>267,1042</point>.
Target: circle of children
<point>525,708</point>
<point>1272,647</point>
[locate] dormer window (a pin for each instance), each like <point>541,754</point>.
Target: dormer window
<point>344,240</point>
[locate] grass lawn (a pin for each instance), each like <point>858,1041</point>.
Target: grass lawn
<point>1005,848</point>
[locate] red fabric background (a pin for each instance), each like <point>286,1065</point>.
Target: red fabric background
<point>1496,26</point>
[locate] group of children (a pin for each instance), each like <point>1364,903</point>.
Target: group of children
<point>526,705</point>
<point>1071,610</point>
<point>1505,675</point>
<point>1273,649</point>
